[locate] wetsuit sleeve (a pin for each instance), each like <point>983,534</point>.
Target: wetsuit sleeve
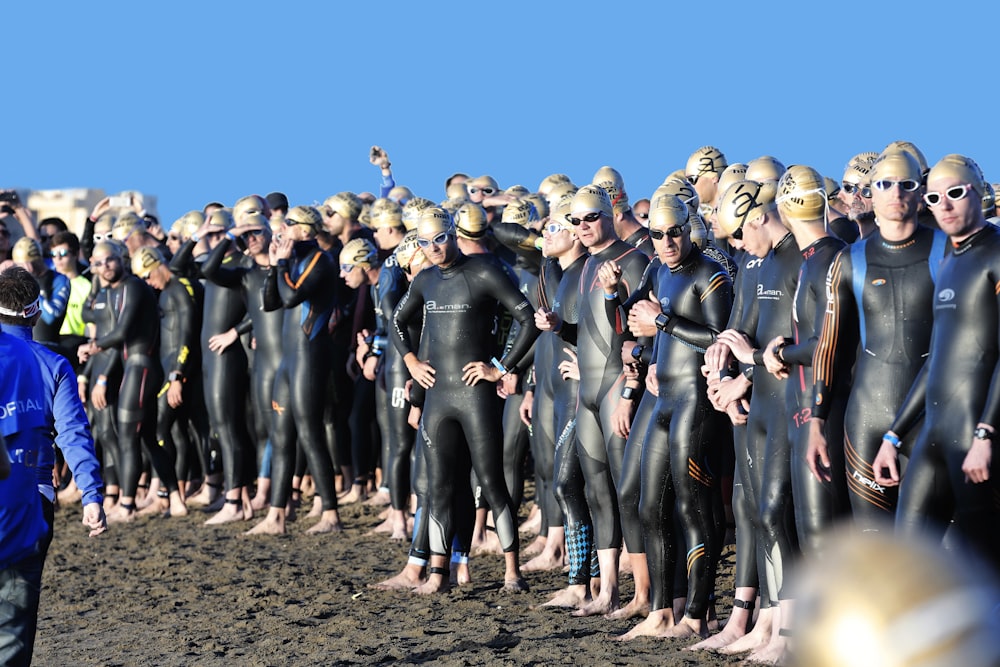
<point>73,435</point>
<point>270,297</point>
<point>519,307</point>
<point>87,238</point>
<point>840,324</point>
<point>183,262</point>
<point>519,239</point>
<point>991,410</point>
<point>314,276</point>
<point>716,302</point>
<point>408,307</point>
<point>54,305</point>
<point>245,326</point>
<point>126,317</point>
<point>802,353</point>
<point>913,407</point>
<point>214,270</point>
<point>187,336</point>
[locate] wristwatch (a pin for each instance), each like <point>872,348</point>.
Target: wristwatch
<point>983,433</point>
<point>637,352</point>
<point>661,321</point>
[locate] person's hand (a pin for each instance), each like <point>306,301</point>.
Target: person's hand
<point>379,157</point>
<point>631,371</point>
<point>652,383</point>
<point>421,371</point>
<point>280,250</point>
<point>83,352</point>
<point>208,228</point>
<point>175,394</point>
<point>627,348</point>
<point>81,390</point>
<point>407,386</point>
<point>772,363</point>
<point>717,358</point>
<point>95,519</point>
<point>609,274</point>
<point>476,371</point>
<point>219,342</point>
<point>363,346</point>
<point>370,368</point>
<point>100,208</point>
<point>621,418</point>
<point>976,465</point>
<point>569,369</point>
<point>546,320</point>
<point>497,199</point>
<point>413,418</point>
<point>817,452</point>
<point>135,200</point>
<point>99,396</point>
<point>886,461</point>
<point>728,391</point>
<point>525,410</point>
<point>509,384</point>
<point>738,412</point>
<point>738,344</point>
<point>156,231</point>
<point>642,316</point>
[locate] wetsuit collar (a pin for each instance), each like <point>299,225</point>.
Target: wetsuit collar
<point>302,247</point>
<point>970,241</point>
<point>688,260</point>
<point>22,332</point>
<point>785,240</point>
<point>460,260</point>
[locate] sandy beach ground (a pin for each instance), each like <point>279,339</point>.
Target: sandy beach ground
<point>175,592</point>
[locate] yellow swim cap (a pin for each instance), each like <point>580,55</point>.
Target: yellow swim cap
<point>433,221</point>
<point>386,213</point>
<point>412,209</point>
<point>742,201</point>
<point>959,167</point>
<point>801,194</point>
<point>26,250</point>
<point>304,215</point>
<point>706,160</point>
<point>765,168</point>
<point>470,221</point>
<point>145,260</point>
<point>359,252</point>
<point>592,199</point>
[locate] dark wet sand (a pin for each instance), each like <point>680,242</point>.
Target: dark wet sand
<point>175,592</point>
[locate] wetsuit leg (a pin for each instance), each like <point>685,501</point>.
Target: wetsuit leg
<point>656,507</point>
<point>282,438</point>
<point>629,484</point>
<point>362,416</point>
<point>224,375</point>
<point>306,373</point>
<point>398,433</point>
<point>137,427</point>
<point>515,447</point>
<point>442,436</point>
<point>420,544</point>
<point>776,515</point>
<point>543,446</point>
<point>602,499</point>
<point>743,512</point>
<point>817,504</point>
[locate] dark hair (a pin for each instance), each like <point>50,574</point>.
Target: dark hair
<point>18,289</point>
<point>66,238</point>
<point>58,222</point>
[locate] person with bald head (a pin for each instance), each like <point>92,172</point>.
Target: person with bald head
<point>952,474</point>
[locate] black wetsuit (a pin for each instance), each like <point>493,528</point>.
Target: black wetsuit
<point>885,332</point>
<point>457,304</point>
<point>957,388</point>
<point>681,456</point>
<point>224,376</point>
<point>301,285</point>
<point>98,310</point>
<point>599,343</point>
<point>816,505</point>
<point>181,303</point>
<point>136,334</point>
<point>393,408</point>
<point>767,427</point>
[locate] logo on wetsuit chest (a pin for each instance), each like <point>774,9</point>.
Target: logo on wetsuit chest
<point>945,297</point>
<point>771,294</point>
<point>878,282</point>
<point>435,307</point>
<point>665,303</point>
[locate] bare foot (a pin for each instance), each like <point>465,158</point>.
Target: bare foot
<point>487,543</point>
<point>687,628</point>
<point>533,524</point>
<point>518,585</point>
<point>436,583</point>
<point>317,508</point>
<point>535,548</point>
<point>121,513</point>
<point>329,522</point>
<point>273,524</point>
<point>734,629</point>
<point>355,495</point>
<point>656,624</point>
<point>378,499</point>
<point>410,577</point>
<point>149,497</point>
<point>383,528</point>
<point>232,510</point>
<point>602,605</point>
<point>156,506</point>
<point>547,560</point>
<point>637,608</point>
<point>176,505</point>
<point>756,638</point>
<point>771,654</point>
<point>572,597</point>
<point>260,502</point>
<point>307,486</point>
<point>463,574</point>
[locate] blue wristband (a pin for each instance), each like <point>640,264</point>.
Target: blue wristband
<point>499,366</point>
<point>611,297</point>
<point>892,439</point>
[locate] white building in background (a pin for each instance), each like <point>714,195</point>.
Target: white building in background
<point>73,205</point>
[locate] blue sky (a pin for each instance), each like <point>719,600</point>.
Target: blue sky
<point>207,101</point>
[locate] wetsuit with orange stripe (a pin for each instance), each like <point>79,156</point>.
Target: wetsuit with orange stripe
<point>681,456</point>
<point>302,286</point>
<point>958,388</point>
<point>816,504</point>
<point>879,297</point>
<point>599,348</point>
<point>136,334</point>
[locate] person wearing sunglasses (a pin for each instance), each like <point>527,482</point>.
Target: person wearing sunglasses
<point>856,193</point>
<point>627,226</point>
<point>458,301</point>
<point>952,474</point>
<point>224,363</point>
<point>880,301</point>
<point>752,205</point>
<point>299,283</point>
<point>55,291</point>
<point>135,336</point>
<point>693,297</point>
<point>612,272</point>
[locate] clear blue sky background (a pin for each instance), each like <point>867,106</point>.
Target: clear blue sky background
<point>212,100</point>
